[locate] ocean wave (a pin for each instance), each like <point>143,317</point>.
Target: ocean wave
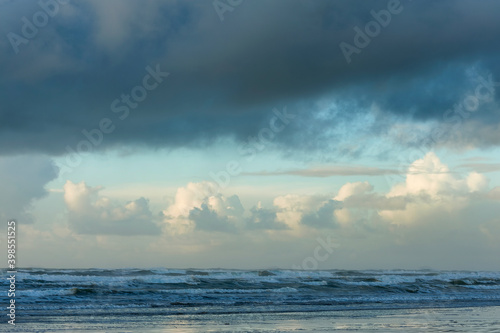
<point>204,289</point>
<point>229,291</point>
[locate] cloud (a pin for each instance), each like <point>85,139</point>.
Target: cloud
<point>208,220</point>
<point>226,78</point>
<point>300,213</point>
<point>116,22</point>
<point>494,193</point>
<point>359,203</point>
<point>199,206</point>
<point>425,220</point>
<point>430,176</point>
<point>350,189</point>
<point>22,181</point>
<point>450,225</point>
<point>328,172</point>
<point>264,219</point>
<point>430,188</point>
<point>90,213</point>
<point>322,218</point>
<point>481,167</point>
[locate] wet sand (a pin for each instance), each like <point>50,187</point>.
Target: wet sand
<point>470,319</point>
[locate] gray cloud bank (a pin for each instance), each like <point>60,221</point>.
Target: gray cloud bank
<point>225,77</point>
<point>23,180</point>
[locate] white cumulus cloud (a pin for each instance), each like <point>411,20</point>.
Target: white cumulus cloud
<point>90,213</point>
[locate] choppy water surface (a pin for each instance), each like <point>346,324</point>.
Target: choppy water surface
<point>43,293</point>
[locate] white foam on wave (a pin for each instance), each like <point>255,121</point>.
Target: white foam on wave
<point>315,283</point>
<point>472,280</point>
<point>392,278</point>
<point>107,280</point>
<point>303,274</point>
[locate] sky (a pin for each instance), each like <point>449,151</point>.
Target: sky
<point>290,134</point>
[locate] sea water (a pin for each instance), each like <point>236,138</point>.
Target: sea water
<point>197,300</point>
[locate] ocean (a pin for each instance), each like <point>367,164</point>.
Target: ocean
<point>197,300</point>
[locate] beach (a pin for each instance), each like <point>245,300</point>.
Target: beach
<point>222,300</point>
<point>469,319</point>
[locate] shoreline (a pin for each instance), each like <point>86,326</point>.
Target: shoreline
<point>457,319</point>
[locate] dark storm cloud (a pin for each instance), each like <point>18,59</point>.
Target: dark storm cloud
<point>226,77</point>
